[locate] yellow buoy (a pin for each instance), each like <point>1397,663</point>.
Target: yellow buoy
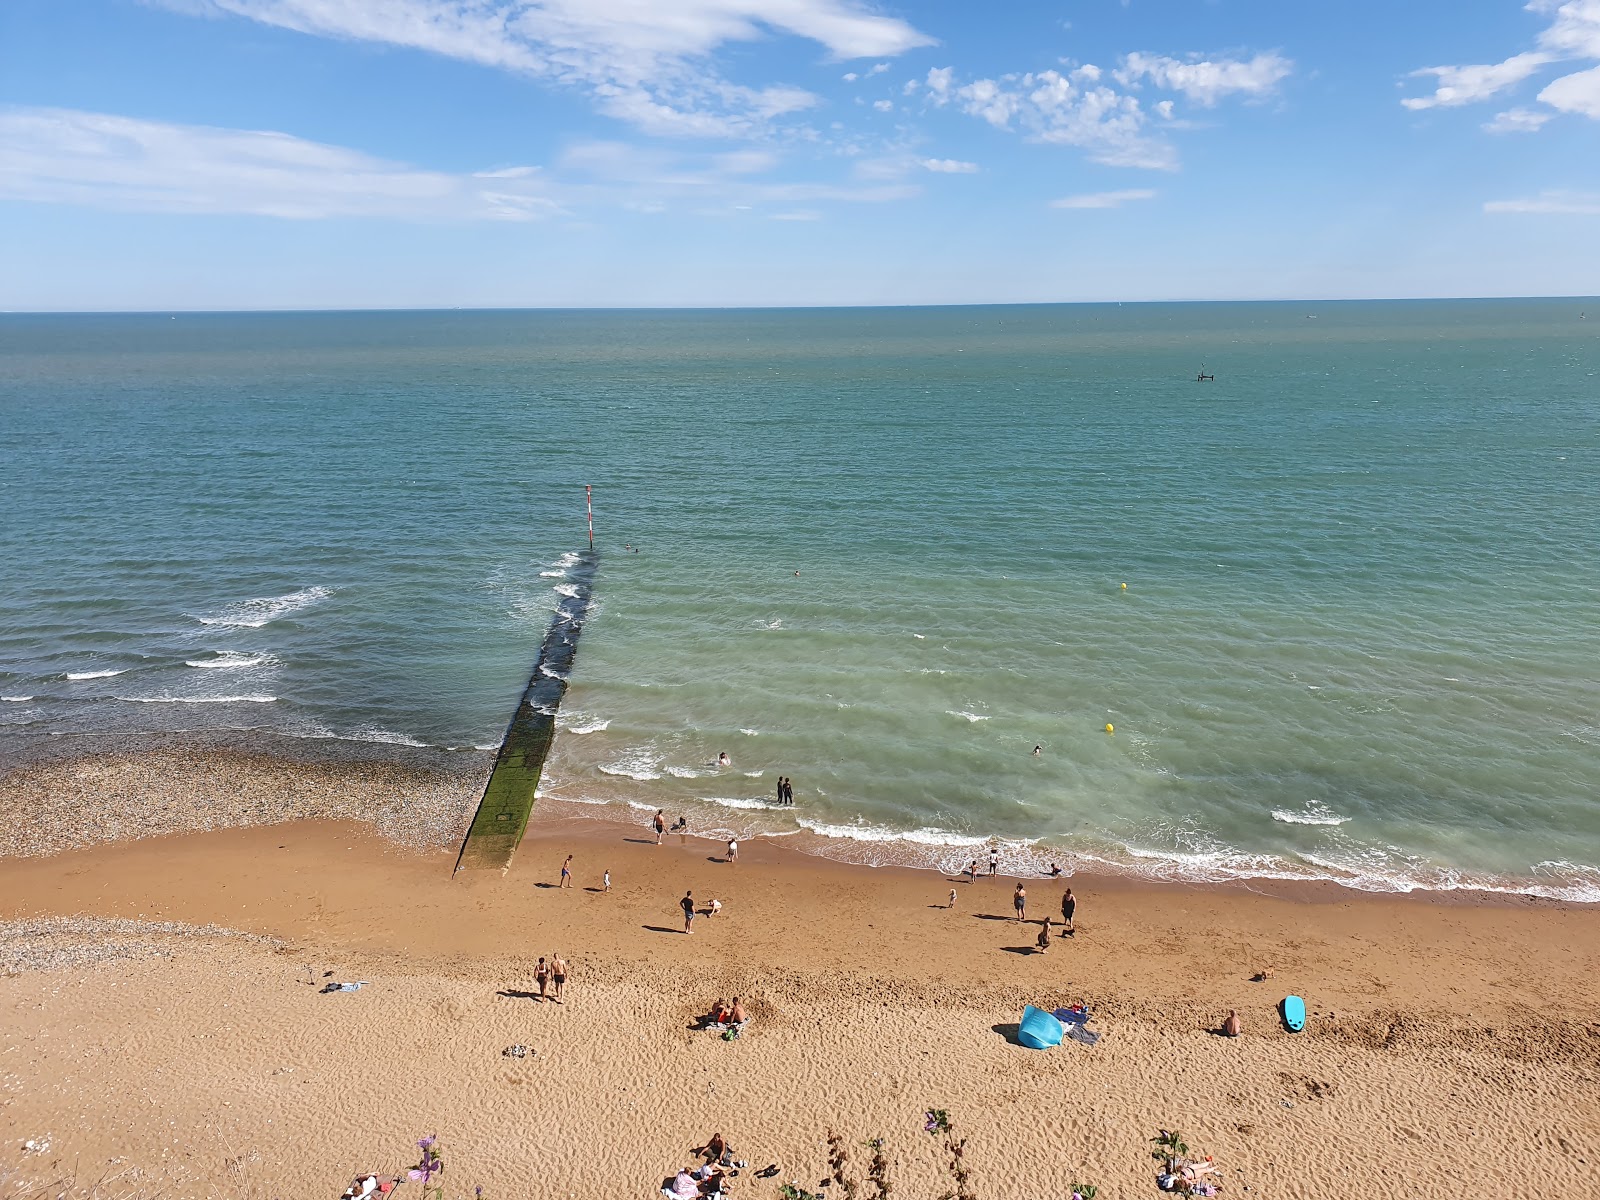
<point>1110,728</point>
<point>1124,587</point>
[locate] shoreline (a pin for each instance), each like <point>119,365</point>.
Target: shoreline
<point>194,1049</point>
<point>136,786</point>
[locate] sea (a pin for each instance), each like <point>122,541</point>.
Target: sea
<point>1332,614</point>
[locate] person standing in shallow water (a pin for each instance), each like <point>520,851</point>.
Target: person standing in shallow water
<point>661,825</point>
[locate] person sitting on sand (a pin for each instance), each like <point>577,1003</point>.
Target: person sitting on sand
<point>1054,870</point>
<point>1232,1026</point>
<point>1043,943</point>
<point>684,1186</point>
<point>682,826</point>
<point>714,907</point>
<point>736,1015</point>
<point>715,1149</point>
<point>719,1014</point>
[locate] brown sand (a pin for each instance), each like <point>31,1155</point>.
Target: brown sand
<point>1454,1047</point>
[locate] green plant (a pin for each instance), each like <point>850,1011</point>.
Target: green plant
<point>1169,1146</point>
<point>1084,1191</point>
<point>878,1171</point>
<point>838,1161</point>
<point>789,1192</point>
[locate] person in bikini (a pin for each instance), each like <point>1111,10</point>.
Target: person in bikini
<point>541,976</point>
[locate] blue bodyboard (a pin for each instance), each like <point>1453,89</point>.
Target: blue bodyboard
<point>1294,1013</point>
<point>1038,1029</point>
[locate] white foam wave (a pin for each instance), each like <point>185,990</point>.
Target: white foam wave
<point>685,773</point>
<point>198,699</point>
<point>754,774</point>
<point>569,590</point>
<point>16,699</point>
<point>588,727</point>
<point>1312,814</point>
<point>737,802</point>
<point>544,670</point>
<point>751,732</point>
<point>861,831</point>
<point>234,660</point>
<point>964,715</point>
<point>253,614</point>
<point>94,674</point>
<point>639,765</point>
<point>384,736</point>
<point>483,746</point>
<point>553,574</point>
<point>919,637</point>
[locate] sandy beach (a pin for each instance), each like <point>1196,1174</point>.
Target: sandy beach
<point>167,1031</point>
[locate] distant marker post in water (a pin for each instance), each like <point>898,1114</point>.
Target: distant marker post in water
<point>588,504</point>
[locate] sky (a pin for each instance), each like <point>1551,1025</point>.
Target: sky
<point>307,154</point>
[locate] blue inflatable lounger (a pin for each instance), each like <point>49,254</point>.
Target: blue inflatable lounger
<point>1038,1029</point>
<point>1294,1013</point>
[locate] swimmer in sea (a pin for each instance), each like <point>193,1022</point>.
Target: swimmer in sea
<point>723,760</point>
<point>1038,750</point>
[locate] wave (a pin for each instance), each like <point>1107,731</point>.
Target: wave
<point>253,614</point>
<point>637,766</point>
<point>685,773</point>
<point>588,727</point>
<point>234,660</point>
<point>75,675</point>
<point>863,832</point>
<point>962,713</point>
<point>16,699</point>
<point>383,736</point>
<point>751,732</point>
<point>1312,814</point>
<point>569,590</point>
<point>754,774</point>
<point>197,699</point>
<point>544,670</point>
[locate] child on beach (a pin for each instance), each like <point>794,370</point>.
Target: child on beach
<point>714,907</point>
<point>733,850</point>
<point>952,903</point>
<point>605,882</point>
<point>566,872</point>
<point>1043,943</point>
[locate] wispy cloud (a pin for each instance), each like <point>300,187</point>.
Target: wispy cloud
<point>65,156</point>
<point>1573,35</point>
<point>948,166</point>
<point>1104,199</point>
<point>1079,107</point>
<point>1517,120</point>
<point>646,63</point>
<point>1586,204</point>
<point>1206,81</point>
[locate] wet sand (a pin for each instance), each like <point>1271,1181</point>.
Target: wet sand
<point>188,1050</point>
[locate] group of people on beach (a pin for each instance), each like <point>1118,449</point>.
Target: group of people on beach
<point>659,824</point>
<point>551,976</point>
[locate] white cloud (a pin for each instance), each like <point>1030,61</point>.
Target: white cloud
<point>65,156</point>
<point>1104,199</point>
<point>1517,120</point>
<point>883,105</point>
<point>1467,85</point>
<point>949,166</point>
<point>644,61</point>
<point>1078,108</point>
<point>1570,203</point>
<point>1576,93</point>
<point>1203,80</point>
<point>1572,35</point>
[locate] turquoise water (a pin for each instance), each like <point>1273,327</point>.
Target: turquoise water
<point>1359,638</point>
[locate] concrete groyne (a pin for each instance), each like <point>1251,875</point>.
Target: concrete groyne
<point>507,802</point>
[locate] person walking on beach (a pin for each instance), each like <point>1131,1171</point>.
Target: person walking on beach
<point>994,863</point>
<point>558,974</point>
<point>541,976</point>
<point>1019,900</point>
<point>605,882</point>
<point>687,904</point>
<point>952,903</point>
<point>566,872</point>
<point>733,849</point>
<point>661,825</point>
<point>1069,906</point>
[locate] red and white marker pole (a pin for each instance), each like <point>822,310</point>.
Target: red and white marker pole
<point>588,499</point>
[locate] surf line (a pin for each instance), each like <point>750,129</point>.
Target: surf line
<point>502,815</point>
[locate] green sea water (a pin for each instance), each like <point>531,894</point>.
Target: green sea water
<point>879,551</point>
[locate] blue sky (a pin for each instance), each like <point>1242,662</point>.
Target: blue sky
<point>179,154</point>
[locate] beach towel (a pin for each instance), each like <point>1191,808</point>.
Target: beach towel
<point>1038,1029</point>
<point>1079,1034</point>
<point>1076,1015</point>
